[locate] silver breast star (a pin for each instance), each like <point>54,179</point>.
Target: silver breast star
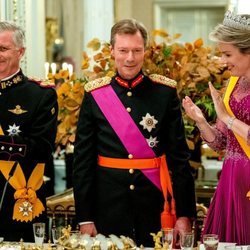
<point>14,130</point>
<point>148,122</point>
<point>152,141</point>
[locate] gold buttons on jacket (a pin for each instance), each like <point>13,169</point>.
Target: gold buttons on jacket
<point>128,109</point>
<point>130,156</point>
<point>131,171</point>
<point>131,187</point>
<point>129,93</point>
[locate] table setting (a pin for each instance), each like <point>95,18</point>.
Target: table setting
<point>64,238</point>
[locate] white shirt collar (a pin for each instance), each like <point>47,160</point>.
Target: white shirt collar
<point>8,77</point>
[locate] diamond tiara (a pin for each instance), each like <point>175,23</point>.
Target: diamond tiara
<point>236,21</point>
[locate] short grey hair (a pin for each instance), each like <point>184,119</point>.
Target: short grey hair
<point>18,32</point>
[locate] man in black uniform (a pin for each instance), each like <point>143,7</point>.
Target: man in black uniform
<point>128,123</point>
<point>28,123</point>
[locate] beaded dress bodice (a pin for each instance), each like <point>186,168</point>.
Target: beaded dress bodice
<point>240,105</point>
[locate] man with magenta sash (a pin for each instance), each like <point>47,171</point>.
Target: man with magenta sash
<point>229,211</point>
<point>131,173</point>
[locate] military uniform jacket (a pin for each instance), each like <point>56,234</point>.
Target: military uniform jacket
<point>97,189</point>
<point>28,120</point>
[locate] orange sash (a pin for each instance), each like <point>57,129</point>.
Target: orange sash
<point>230,87</point>
<point>27,205</point>
<point>168,216</point>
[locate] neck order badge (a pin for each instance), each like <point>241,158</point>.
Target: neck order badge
<point>27,205</point>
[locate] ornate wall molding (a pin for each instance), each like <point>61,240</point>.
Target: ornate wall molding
<point>15,11</point>
<point>191,3</point>
<point>30,16</point>
<point>191,18</point>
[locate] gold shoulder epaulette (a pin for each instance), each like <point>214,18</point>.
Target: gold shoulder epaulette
<point>163,80</point>
<point>42,82</point>
<point>47,83</point>
<point>97,83</point>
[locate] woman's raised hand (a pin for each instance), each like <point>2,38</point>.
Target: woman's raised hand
<point>192,110</point>
<point>218,104</point>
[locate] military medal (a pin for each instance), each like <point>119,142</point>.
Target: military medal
<point>17,110</point>
<point>148,122</point>
<point>152,141</point>
<point>14,130</point>
<point>26,208</point>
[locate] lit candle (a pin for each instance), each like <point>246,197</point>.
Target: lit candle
<point>64,66</point>
<point>46,66</point>
<point>70,69</point>
<point>53,68</point>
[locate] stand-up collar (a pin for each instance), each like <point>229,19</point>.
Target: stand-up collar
<point>11,80</point>
<point>129,83</point>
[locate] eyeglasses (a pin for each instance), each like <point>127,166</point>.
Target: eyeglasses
<point>5,49</point>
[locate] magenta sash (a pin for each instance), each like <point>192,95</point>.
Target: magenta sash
<point>129,133</point>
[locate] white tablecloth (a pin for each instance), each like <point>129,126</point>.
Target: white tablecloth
<point>223,244</point>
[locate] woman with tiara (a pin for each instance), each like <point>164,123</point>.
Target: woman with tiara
<point>229,211</point>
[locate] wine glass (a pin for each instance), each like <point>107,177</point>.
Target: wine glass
<point>187,241</point>
<point>210,241</point>
<point>167,237</point>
